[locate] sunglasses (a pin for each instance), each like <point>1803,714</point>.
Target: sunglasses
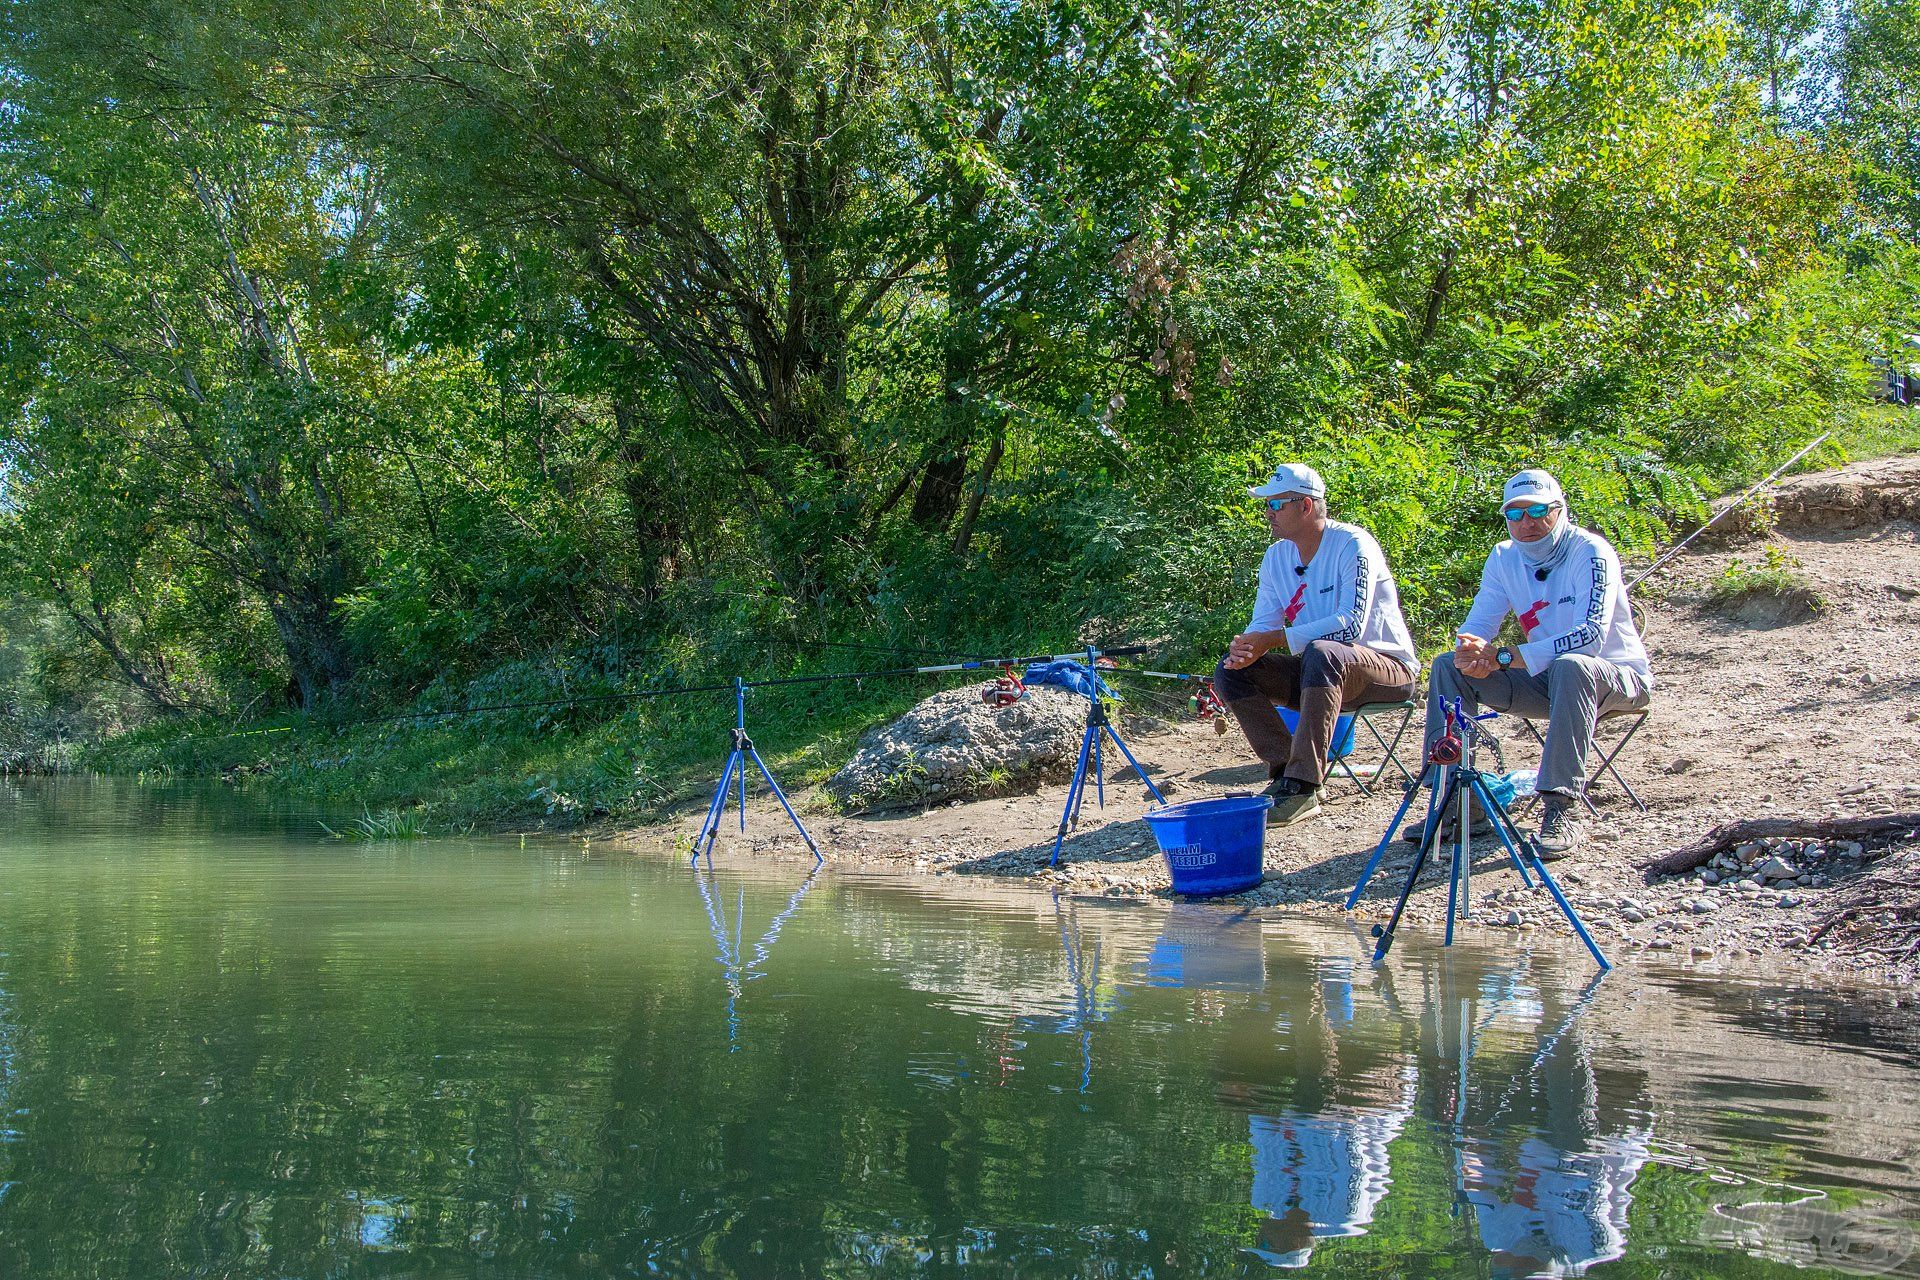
<point>1281,504</point>
<point>1537,511</point>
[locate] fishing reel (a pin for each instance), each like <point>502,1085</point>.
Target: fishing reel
<point>1451,746</point>
<point>1447,748</point>
<point>1004,692</point>
<point>1206,704</point>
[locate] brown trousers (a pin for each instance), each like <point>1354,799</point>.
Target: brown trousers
<point>1320,683</point>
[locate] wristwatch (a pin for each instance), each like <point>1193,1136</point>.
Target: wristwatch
<point>1504,656</point>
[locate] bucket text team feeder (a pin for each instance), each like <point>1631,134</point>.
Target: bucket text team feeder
<point>1213,846</point>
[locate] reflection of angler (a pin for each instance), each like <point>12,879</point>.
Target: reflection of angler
<point>728,940</point>
<point>1320,1175</point>
<point>1555,1212</point>
<point>1541,1210</point>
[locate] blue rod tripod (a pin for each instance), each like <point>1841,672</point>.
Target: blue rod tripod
<point>1455,779</point>
<point>737,762</point>
<point>1098,727</point>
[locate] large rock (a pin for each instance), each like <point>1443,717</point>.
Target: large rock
<point>953,745</point>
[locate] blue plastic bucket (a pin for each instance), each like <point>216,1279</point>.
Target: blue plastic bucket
<point>1213,846</point>
<point>1342,744</point>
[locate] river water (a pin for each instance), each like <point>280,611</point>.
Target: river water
<point>233,1046</point>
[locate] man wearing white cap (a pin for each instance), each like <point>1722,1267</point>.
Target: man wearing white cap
<point>1326,635</point>
<point>1581,656</point>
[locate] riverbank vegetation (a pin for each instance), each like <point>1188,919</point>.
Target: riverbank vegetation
<point>390,359</point>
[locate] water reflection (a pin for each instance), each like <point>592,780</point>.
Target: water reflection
<point>282,1056</point>
<point>1320,1176</point>
<point>1545,1157</point>
<point>1205,947</point>
<point>738,968</point>
<point>1083,971</point>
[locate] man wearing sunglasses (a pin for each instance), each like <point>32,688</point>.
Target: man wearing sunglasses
<point>1326,634</point>
<point>1580,656</point>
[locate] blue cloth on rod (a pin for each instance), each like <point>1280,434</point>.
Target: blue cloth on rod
<point>1069,675</point>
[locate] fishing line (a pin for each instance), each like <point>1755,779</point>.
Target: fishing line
<point>974,664</point>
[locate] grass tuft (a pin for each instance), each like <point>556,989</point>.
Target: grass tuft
<point>388,824</point>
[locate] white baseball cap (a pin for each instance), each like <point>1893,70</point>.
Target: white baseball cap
<point>1291,477</point>
<point>1532,485</point>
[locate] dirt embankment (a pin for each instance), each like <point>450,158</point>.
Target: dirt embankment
<point>1795,704</point>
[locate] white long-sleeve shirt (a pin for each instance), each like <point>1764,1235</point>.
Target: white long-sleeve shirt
<point>1345,594</point>
<point>1581,606</point>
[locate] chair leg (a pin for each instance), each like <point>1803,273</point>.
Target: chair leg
<point>1393,748</point>
<point>1607,765</point>
<point>1607,762</point>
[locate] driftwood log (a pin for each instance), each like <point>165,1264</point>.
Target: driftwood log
<point>1728,834</point>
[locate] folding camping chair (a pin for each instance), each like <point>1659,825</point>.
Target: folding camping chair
<point>1364,714</point>
<point>1346,730</point>
<point>1607,758</point>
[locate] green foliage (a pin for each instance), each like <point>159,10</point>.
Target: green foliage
<point>404,357</point>
<point>388,824</point>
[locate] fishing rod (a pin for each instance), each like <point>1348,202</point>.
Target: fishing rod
<point>947,668</point>
<point>1771,476</point>
<point>1202,702</point>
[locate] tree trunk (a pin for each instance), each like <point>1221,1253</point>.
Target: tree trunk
<point>646,483</point>
<point>1436,299</point>
<point>313,639</point>
<point>1728,834</point>
<point>943,482</point>
<point>963,537</point>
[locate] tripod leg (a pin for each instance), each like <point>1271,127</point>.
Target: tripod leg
<point>1380,850</point>
<point>734,761</point>
<point>1573,917</point>
<point>1459,875</point>
<point>1532,855</point>
<point>781,796</point>
<point>1099,774</point>
<point>1502,824</point>
<point>1151,789</point>
<point>1080,792</point>
<point>1427,839</point>
<point>714,810</point>
<point>1460,855</point>
<point>743,791</point>
<point>1073,794</point>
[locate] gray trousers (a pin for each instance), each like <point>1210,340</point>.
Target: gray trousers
<point>1572,696</point>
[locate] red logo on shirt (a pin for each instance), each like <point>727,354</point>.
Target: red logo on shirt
<point>1297,603</point>
<point>1531,618</point>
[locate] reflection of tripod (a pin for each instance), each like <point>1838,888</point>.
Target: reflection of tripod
<point>1098,727</point>
<point>1450,771</point>
<point>741,971</point>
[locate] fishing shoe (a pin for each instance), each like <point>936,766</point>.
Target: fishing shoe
<point>1560,826</point>
<point>1293,801</point>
